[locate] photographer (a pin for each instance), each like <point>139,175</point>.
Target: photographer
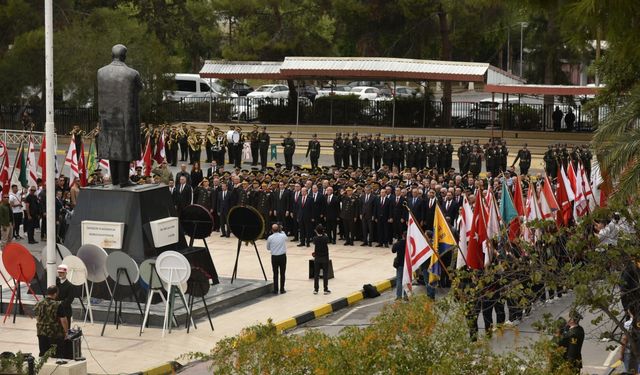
<point>321,256</point>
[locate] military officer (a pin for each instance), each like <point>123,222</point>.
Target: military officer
<point>346,143</point>
<point>355,150</point>
<point>504,154</point>
<point>253,142</point>
<point>263,146</point>
<point>387,152</point>
<point>349,215</point>
<point>432,154</point>
<point>172,147</point>
<point>411,153</point>
<point>313,150</point>
<point>378,150</point>
<point>442,156</point>
<point>586,160</point>
<point>571,338</point>
<point>475,162</point>
<point>338,149</point>
<point>551,162</point>
<point>524,155</point>
<point>183,141</point>
<point>289,148</point>
<point>463,157</point>
<point>366,149</point>
<point>402,152</point>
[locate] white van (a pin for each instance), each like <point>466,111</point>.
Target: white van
<point>192,86</point>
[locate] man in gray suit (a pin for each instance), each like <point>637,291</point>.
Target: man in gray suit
<point>119,137</point>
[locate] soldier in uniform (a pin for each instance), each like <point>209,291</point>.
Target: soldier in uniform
<point>262,203</point>
<point>338,149</point>
<point>346,154</point>
<point>432,154</point>
<point>442,156</point>
<point>355,150</point>
<point>411,153</point>
<point>387,151</point>
<point>366,146</point>
<point>571,338</point>
<point>378,150</point>
<point>289,149</point>
<point>475,162</point>
<point>550,162</point>
<point>253,141</point>
<point>313,149</point>
<point>524,155</point>
<point>448,155</point>
<point>463,157</point>
<point>263,146</point>
<point>348,214</point>
<point>504,154</point>
<point>564,156</point>
<point>183,141</point>
<point>172,147</point>
<point>575,156</point>
<point>395,151</point>
<point>242,194</point>
<point>402,152</point>
<point>208,144</point>
<point>219,147</point>
<point>422,153</point>
<point>194,146</point>
<point>490,158</point>
<point>51,324</point>
<point>237,148</point>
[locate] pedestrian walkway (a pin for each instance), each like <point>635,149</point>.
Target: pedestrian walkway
<point>124,351</point>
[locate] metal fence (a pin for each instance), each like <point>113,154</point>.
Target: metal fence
<point>403,112</point>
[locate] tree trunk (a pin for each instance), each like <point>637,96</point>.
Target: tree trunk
<point>445,55</point>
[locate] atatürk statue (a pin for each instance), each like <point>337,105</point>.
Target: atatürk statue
<point>119,136</point>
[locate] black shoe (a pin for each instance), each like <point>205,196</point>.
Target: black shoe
<point>127,184</point>
<point>386,246</point>
<point>364,244</point>
<point>283,291</point>
<point>327,291</point>
<point>334,242</point>
<point>379,245</point>
<point>295,239</point>
<point>315,292</point>
<point>300,245</point>
<point>275,292</point>
<point>33,242</point>
<point>308,245</point>
<point>223,235</point>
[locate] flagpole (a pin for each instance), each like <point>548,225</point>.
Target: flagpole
<point>19,151</point>
<point>435,251</point>
<point>50,140</point>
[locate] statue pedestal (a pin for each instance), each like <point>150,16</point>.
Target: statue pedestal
<point>135,206</point>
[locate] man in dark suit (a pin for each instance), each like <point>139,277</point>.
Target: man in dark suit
<point>216,187</point>
<point>183,195</point>
<point>213,169</point>
<point>318,206</point>
<point>304,209</point>
<point>415,204</point>
<point>365,208</point>
<point>293,211</point>
<point>280,205</point>
<point>429,210</point>
<point>223,205</point>
<point>399,213</point>
<point>332,211</point>
<point>450,208</point>
<point>382,217</point>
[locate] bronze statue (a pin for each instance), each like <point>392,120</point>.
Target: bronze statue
<point>119,137</point>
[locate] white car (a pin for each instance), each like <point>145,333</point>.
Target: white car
<point>195,88</point>
<point>337,90</point>
<point>365,92</point>
<point>270,91</point>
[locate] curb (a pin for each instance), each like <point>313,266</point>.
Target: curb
<point>166,368</point>
<point>331,307</point>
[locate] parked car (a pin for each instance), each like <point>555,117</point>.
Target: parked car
<point>270,91</point>
<point>407,92</point>
<point>365,92</point>
<point>485,113</point>
<point>307,91</point>
<point>335,90</point>
<point>241,88</point>
<point>195,87</point>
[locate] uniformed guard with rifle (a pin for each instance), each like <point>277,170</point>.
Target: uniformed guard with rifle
<point>289,149</point>
<point>253,141</point>
<point>313,150</point>
<point>378,150</point>
<point>338,149</point>
<point>524,156</point>
<point>263,146</point>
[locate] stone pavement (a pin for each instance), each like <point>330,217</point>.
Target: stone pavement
<point>123,351</point>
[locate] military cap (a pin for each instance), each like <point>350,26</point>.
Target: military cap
<point>278,165</point>
<point>138,168</point>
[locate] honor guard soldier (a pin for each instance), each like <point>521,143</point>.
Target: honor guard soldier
<point>365,151</point>
<point>402,152</point>
<point>432,154</point>
<point>253,141</point>
<point>490,158</point>
<point>183,141</point>
<point>463,158</point>
<point>475,162</point>
<point>289,149</point>
<point>524,156</point>
<point>355,150</point>
<point>575,156</point>
<point>571,338</point>
<point>564,156</point>
<point>387,152</point>
<point>262,200</point>
<point>219,147</point>
<point>346,145</point>
<point>586,160</point>
<point>238,142</point>
<point>411,153</point>
<point>422,153</point>
<point>378,150</point>
<point>313,150</point>
<point>448,155</point>
<point>263,146</point>
<point>550,162</point>
<point>504,155</point>
<point>349,215</point>
<point>338,149</point>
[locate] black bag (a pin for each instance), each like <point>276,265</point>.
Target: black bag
<point>370,291</point>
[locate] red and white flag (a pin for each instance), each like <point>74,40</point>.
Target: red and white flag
<point>569,180</point>
<point>564,204</point>
<point>548,204</point>
<point>493,219</point>
<point>104,165</point>
<point>146,158</point>
<point>477,235</point>
<point>5,184</point>
<point>42,160</point>
<point>32,166</point>
<point>599,185</point>
<point>532,212</point>
<point>515,227</point>
<point>71,160</point>
<point>417,251</point>
<point>160,155</point>
<point>581,205</point>
<point>586,189</point>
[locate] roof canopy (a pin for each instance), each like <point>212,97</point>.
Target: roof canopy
<point>375,68</point>
<point>559,90</point>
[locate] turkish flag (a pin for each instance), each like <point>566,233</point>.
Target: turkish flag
<point>478,235</point>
